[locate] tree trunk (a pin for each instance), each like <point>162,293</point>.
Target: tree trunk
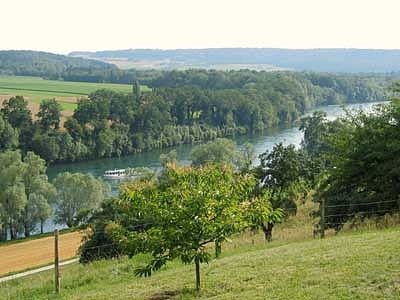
<point>13,234</point>
<point>268,231</point>
<point>197,262</point>
<point>218,249</point>
<point>41,226</point>
<point>27,231</point>
<point>3,233</point>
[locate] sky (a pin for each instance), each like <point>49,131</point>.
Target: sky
<point>62,26</point>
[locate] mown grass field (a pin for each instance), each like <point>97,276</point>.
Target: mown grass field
<point>348,266</point>
<point>67,93</point>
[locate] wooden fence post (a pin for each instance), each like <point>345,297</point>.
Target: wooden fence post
<point>56,263</point>
<point>322,209</point>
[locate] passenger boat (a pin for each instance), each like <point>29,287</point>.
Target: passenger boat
<point>115,174</point>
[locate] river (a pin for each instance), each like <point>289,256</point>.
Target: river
<point>150,159</point>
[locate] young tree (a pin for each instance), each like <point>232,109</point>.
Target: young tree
<point>280,169</point>
<point>77,196</point>
<point>260,214</point>
<point>178,217</point>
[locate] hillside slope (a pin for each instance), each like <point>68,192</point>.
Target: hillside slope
<point>36,63</point>
<point>356,266</point>
<point>319,60</point>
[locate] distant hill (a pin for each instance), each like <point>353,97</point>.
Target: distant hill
<point>319,60</point>
<point>49,65</point>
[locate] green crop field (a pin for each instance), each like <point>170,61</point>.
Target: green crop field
<point>36,89</point>
<point>348,266</point>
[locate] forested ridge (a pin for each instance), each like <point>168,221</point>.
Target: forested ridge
<point>44,64</point>
<point>183,107</point>
<point>317,60</point>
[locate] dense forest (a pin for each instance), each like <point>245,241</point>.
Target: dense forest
<point>43,64</point>
<point>60,67</point>
<point>183,107</point>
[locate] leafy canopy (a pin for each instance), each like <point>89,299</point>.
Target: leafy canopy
<point>178,216</point>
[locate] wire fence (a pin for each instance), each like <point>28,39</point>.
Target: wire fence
<point>354,214</point>
<point>345,215</point>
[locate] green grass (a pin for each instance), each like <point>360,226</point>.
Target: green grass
<point>38,89</point>
<point>348,266</point>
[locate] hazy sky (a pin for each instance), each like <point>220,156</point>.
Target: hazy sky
<point>66,25</point>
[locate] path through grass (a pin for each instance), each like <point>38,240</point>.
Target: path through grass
<point>349,266</point>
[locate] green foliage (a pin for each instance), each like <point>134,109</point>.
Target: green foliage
<point>98,244</point>
<point>179,216</point>
<point>34,63</point>
<point>49,114</point>
<point>17,113</point>
<point>8,135</point>
<point>168,158</point>
<point>219,151</point>
<point>280,173</point>
<point>25,193</point>
<point>186,107</point>
<point>356,265</point>
<point>77,196</point>
<point>246,157</point>
<point>363,176</point>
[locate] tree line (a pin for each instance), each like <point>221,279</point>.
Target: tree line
<point>183,107</point>
<point>28,199</point>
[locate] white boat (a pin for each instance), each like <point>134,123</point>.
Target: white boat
<point>115,174</point>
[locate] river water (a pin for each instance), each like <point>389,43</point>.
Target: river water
<point>150,159</point>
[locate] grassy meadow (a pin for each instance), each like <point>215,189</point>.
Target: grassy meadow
<point>355,264</point>
<point>348,266</point>
<point>35,89</point>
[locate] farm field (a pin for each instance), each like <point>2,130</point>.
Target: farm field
<point>357,265</point>
<point>36,89</point>
<point>20,256</point>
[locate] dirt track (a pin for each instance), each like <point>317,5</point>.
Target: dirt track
<point>24,255</point>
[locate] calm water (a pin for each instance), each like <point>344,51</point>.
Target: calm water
<point>151,159</point>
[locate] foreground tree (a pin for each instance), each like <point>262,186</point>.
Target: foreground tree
<point>178,217</point>
<point>78,195</point>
